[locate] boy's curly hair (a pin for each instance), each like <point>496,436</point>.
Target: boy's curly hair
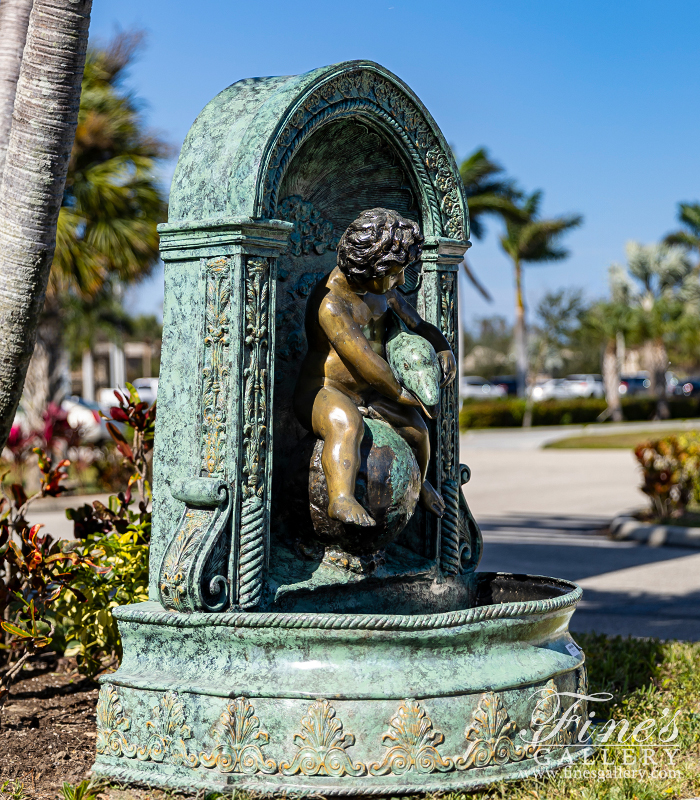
<point>376,241</point>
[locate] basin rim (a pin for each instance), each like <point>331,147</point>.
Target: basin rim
<point>151,613</point>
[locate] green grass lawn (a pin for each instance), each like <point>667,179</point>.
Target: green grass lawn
<point>645,677</point>
<point>617,441</point>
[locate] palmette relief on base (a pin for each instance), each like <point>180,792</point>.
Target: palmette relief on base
<point>412,744</point>
<point>411,740</point>
<point>322,746</point>
<point>161,740</point>
<point>241,740</point>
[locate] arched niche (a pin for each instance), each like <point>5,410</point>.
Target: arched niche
<point>270,175</point>
<point>236,155</point>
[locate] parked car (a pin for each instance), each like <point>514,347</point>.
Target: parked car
<point>147,389</point>
<point>688,387</point>
<point>555,388</point>
<point>509,383</point>
<point>477,387</point>
<point>634,384</point>
<point>85,415</point>
<point>585,385</point>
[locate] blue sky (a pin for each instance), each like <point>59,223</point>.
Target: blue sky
<point>596,103</point>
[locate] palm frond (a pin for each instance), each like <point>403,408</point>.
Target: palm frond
<point>113,200</point>
<point>689,214</point>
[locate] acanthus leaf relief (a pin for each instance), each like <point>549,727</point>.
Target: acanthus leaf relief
<point>491,736</point>
<point>173,578</point>
<point>322,746</point>
<point>412,744</point>
<point>240,742</point>
<point>112,724</point>
<point>166,733</point>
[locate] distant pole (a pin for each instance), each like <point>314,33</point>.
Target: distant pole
<point>88,375</point>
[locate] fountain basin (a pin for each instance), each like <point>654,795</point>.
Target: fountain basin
<point>347,703</point>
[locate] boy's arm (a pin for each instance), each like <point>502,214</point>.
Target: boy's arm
<point>434,335</point>
<point>352,346</point>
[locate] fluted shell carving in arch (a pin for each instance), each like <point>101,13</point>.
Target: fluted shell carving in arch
<point>362,92</point>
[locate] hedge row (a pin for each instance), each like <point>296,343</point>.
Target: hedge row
<point>509,412</point>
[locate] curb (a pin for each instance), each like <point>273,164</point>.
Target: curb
<point>624,527</point>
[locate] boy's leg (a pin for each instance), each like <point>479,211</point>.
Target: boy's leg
<point>336,420</point>
<point>410,425</point>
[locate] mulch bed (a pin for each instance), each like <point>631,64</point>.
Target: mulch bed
<point>48,732</point>
<point>48,729</point>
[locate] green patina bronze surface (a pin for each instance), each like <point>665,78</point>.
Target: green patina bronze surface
<point>254,664</point>
<point>357,702</point>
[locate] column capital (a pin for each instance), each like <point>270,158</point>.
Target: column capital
<point>443,255</point>
<point>223,236</point>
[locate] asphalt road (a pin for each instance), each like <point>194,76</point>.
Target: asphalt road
<point>544,512</point>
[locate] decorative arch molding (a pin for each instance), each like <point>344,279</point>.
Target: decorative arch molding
<point>367,92</point>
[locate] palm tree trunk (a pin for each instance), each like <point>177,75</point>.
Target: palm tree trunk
<point>475,283</point>
<point>14,19</point>
<point>611,380</point>
<point>43,129</point>
<point>655,360</point>
<point>520,332</point>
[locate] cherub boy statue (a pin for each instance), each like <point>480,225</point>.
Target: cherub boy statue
<point>345,374</point>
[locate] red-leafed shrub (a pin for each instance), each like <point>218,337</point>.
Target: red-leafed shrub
<point>670,469</point>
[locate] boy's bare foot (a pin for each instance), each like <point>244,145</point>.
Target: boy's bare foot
<point>347,509</point>
<point>431,499</point>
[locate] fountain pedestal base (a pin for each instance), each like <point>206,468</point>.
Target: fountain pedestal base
<point>354,703</point>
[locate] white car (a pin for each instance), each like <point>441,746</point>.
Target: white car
<point>556,388</point>
<point>85,415</point>
<point>475,386</point>
<point>147,389</point>
<point>585,385</point>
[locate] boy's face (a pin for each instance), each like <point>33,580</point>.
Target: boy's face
<point>381,285</point>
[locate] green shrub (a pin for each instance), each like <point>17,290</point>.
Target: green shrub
<point>509,412</point>
<point>87,628</point>
<point>36,572</point>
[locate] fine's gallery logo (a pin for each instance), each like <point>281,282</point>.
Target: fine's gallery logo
<point>646,748</point>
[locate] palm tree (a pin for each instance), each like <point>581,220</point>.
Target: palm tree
<point>14,20</point>
<point>531,241</point>
<point>558,316</point>
<point>113,201</point>
<point>43,128</point>
<point>664,302</point>
<point>609,320</point>
<point>689,235</point>
<point>487,194</point>
<point>106,234</point>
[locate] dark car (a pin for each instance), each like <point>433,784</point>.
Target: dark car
<point>690,387</point>
<point>634,384</point>
<point>508,382</point>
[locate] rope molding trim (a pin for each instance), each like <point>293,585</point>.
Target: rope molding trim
<point>451,619</point>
